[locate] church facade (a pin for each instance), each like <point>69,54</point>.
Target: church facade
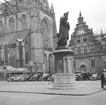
<point>27,34</point>
<point>89,51</point>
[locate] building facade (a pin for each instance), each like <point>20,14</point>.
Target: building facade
<point>89,52</point>
<point>27,34</point>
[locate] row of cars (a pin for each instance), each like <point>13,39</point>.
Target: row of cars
<point>87,76</point>
<point>46,77</point>
<point>29,77</point>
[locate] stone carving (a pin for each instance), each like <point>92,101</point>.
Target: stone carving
<point>63,35</point>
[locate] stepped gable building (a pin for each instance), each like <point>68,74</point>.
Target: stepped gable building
<point>27,34</point>
<point>89,52</point>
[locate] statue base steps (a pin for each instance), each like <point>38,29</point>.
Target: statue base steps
<point>64,81</point>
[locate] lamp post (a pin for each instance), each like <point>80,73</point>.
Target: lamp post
<point>3,47</point>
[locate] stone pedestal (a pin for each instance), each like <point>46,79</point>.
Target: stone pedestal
<point>64,77</point>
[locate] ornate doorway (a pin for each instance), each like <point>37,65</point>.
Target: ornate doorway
<point>83,68</point>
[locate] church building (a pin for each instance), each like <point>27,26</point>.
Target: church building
<point>27,34</point>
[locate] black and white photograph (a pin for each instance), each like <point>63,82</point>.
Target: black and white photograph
<point>52,52</point>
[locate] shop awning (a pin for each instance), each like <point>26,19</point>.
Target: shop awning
<point>10,69</point>
<point>23,70</point>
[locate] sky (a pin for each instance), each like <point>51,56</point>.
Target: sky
<point>93,11</point>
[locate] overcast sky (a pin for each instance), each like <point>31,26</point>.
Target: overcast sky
<point>93,11</point>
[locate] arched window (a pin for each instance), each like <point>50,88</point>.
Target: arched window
<point>24,22</point>
<point>1,29</point>
<point>11,25</point>
<point>1,26</point>
<point>46,38</point>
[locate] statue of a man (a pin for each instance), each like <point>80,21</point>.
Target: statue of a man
<point>63,35</point>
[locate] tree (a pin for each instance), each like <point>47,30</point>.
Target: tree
<point>9,8</point>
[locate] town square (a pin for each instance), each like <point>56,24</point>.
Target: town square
<point>45,60</point>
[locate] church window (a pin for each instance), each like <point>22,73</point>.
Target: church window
<point>24,22</point>
<point>1,26</point>
<point>11,25</point>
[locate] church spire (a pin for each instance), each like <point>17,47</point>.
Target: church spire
<point>80,15</point>
<point>52,7</point>
<point>80,19</point>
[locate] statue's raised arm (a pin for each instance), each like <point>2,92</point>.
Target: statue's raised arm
<point>63,35</point>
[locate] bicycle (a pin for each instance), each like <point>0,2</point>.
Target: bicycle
<point>51,80</point>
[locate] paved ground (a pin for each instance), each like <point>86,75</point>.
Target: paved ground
<point>82,88</point>
<point>37,93</point>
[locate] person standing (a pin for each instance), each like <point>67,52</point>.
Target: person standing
<point>102,80</point>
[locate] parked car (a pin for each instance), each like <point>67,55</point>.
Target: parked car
<point>35,77</point>
<point>22,78</point>
<point>16,78</point>
<point>85,75</point>
<point>78,76</point>
<point>44,77</point>
<point>10,79</point>
<point>93,77</point>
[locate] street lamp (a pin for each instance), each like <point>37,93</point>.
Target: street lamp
<point>3,47</point>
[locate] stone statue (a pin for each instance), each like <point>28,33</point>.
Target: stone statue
<point>63,35</point>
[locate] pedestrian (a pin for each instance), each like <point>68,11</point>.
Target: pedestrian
<point>102,80</point>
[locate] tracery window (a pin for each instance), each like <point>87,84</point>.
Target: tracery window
<point>24,22</point>
<point>1,26</point>
<point>11,25</point>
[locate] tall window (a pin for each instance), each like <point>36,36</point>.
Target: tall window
<point>24,22</point>
<point>1,29</point>
<point>79,50</point>
<point>82,50</point>
<point>11,25</point>
<point>78,41</point>
<point>76,50</point>
<point>1,26</point>
<point>93,63</point>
